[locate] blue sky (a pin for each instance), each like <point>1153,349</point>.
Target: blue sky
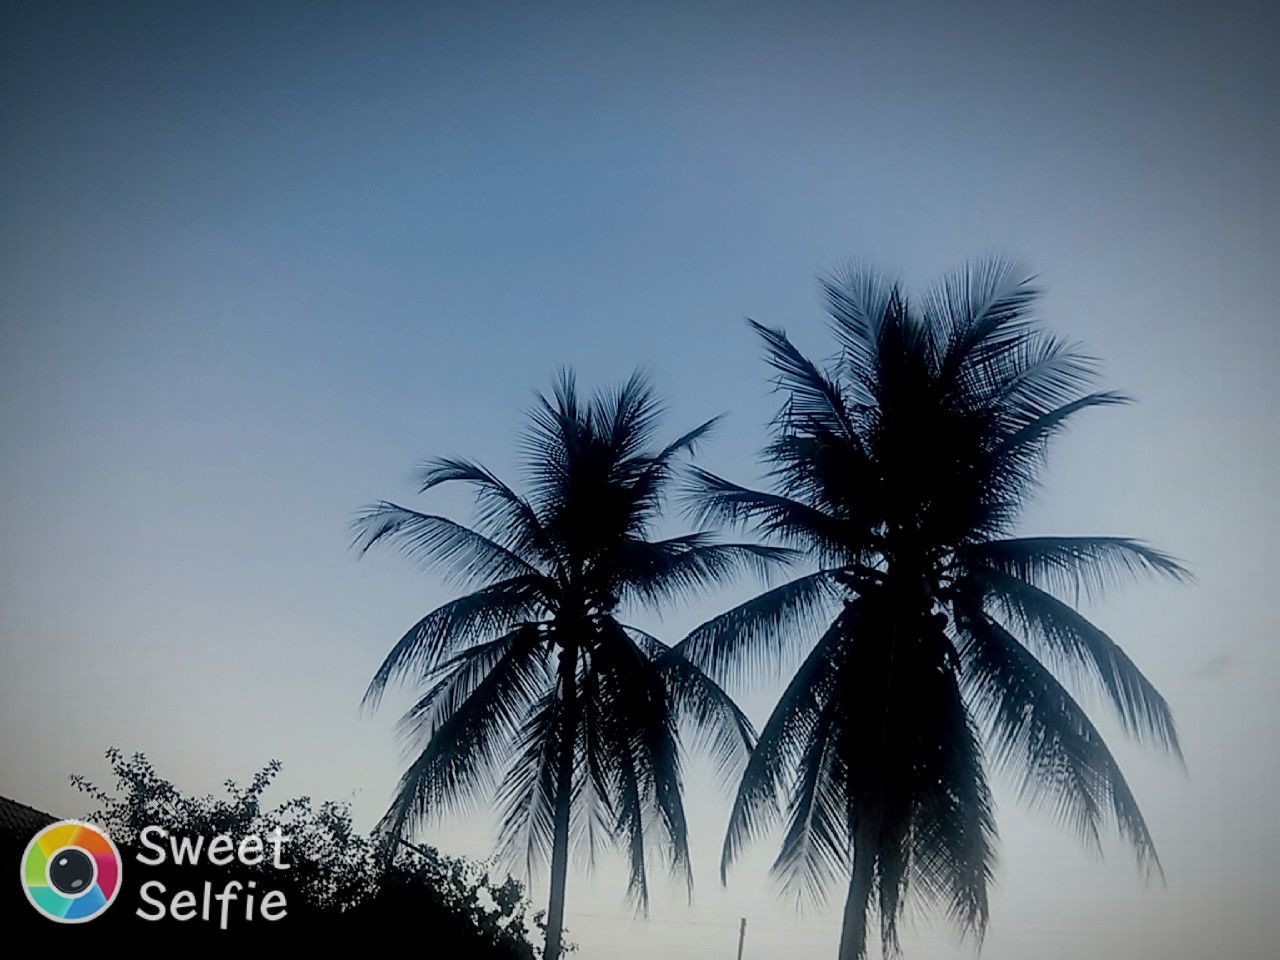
<point>257,261</point>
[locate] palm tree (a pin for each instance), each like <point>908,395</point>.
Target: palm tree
<point>902,468</point>
<point>532,673</point>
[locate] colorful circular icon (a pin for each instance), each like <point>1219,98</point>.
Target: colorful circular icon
<point>71,871</point>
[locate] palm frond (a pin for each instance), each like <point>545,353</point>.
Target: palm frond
<point>716,722</point>
<point>504,515</point>
<point>977,312</point>
<point>641,755</point>
<point>455,680</point>
<point>1069,565</point>
<point>459,758</point>
<point>858,300</point>
<point>711,499</point>
<point>816,849</point>
<point>629,415</point>
<point>665,569</point>
<point>812,396</point>
<point>952,832</point>
<point>450,627</point>
<point>688,442</point>
<point>1041,734</point>
<point>466,555</point>
<point>755,636</point>
<point>527,794</point>
<point>790,727</point>
<point>1031,377</point>
<point>1028,438</point>
<point>1071,642</point>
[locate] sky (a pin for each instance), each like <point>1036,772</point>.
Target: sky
<point>258,261</point>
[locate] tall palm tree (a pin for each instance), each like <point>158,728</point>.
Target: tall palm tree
<point>532,673</point>
<point>930,639</point>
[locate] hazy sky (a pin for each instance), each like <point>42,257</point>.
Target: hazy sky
<point>258,261</point>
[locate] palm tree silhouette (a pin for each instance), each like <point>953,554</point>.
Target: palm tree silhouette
<point>902,469</point>
<point>532,672</point>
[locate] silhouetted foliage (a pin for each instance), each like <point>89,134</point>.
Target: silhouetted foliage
<point>533,676</point>
<point>932,642</point>
<point>341,890</point>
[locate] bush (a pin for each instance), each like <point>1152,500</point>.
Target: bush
<point>343,889</point>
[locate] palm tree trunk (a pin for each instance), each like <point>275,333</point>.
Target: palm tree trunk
<point>564,800</point>
<point>853,931</point>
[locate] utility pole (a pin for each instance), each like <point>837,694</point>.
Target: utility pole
<point>742,935</point>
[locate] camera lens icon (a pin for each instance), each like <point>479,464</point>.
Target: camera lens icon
<point>71,871</point>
